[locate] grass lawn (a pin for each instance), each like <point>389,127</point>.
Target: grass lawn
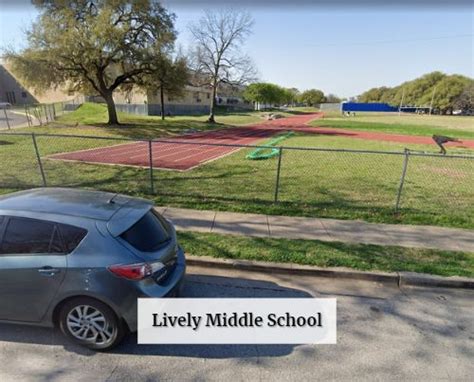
<point>363,257</point>
<point>92,118</point>
<point>438,191</point>
<point>408,124</point>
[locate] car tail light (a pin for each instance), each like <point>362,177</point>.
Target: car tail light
<point>132,271</point>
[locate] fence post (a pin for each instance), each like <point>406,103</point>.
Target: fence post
<point>6,117</point>
<point>38,157</point>
<point>150,152</point>
<point>38,114</point>
<point>45,110</point>
<point>27,117</point>
<point>277,183</point>
<point>402,179</point>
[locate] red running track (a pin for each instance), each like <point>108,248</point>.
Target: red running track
<point>181,155</point>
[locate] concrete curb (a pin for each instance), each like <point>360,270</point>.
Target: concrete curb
<point>420,279</point>
<point>399,279</point>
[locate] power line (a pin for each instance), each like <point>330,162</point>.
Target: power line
<point>393,41</point>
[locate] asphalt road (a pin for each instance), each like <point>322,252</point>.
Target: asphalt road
<point>14,119</point>
<point>384,333</point>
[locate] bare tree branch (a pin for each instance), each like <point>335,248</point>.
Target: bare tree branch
<point>217,58</point>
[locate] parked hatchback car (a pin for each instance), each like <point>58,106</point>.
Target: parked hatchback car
<point>79,260</point>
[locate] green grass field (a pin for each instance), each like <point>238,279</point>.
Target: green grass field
<point>409,124</point>
<point>135,126</point>
<point>438,191</point>
<point>363,257</point>
<point>91,119</point>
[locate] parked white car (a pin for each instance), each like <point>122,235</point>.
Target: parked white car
<point>5,105</point>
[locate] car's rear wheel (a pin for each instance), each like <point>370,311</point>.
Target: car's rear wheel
<point>91,323</point>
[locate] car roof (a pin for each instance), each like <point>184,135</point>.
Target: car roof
<point>88,204</point>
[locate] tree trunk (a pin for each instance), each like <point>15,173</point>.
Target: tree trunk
<point>113,120</point>
<point>211,118</point>
<point>162,100</point>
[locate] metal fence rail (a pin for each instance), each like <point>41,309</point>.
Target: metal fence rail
<point>37,114</point>
<point>342,179</point>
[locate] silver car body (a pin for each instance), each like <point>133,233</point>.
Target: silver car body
<point>34,286</point>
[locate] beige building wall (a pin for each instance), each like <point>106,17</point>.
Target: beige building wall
<point>192,96</point>
<point>132,97</point>
<point>231,97</point>
<point>14,92</point>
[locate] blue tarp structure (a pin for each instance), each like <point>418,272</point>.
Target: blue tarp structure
<point>376,107</point>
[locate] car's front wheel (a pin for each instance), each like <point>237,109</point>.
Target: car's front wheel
<point>91,323</point>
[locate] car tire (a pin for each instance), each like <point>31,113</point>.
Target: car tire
<point>91,323</point>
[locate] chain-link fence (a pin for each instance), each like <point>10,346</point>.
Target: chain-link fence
<point>335,182</point>
<point>39,114</point>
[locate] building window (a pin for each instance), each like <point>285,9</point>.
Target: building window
<point>208,95</point>
<point>23,95</point>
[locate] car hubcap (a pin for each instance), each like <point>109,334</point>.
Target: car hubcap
<point>87,323</point>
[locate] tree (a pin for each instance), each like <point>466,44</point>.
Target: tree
<point>291,96</point>
<point>256,92</point>
<point>94,45</point>
<point>373,95</point>
<point>266,93</point>
<point>438,87</point>
<point>420,90</point>
<point>312,97</point>
<point>465,101</point>
<point>218,38</point>
<point>168,76</point>
<point>331,98</point>
<point>447,92</point>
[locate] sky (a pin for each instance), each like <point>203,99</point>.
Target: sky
<point>343,49</point>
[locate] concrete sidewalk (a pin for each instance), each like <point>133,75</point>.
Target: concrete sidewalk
<point>348,231</point>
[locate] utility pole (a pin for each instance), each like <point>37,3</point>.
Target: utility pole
<point>432,99</point>
<point>401,103</point>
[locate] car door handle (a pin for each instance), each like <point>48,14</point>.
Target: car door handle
<point>48,271</point>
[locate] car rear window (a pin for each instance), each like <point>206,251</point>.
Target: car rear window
<point>72,236</point>
<point>148,234</point>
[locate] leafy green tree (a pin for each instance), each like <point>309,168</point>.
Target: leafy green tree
<point>168,76</point>
<point>391,96</point>
<point>255,92</point>
<point>266,93</point>
<point>94,45</point>
<point>374,95</point>
<point>419,90</point>
<point>443,89</point>
<point>312,97</point>
<point>292,95</point>
<point>448,90</point>
<point>465,101</point>
<point>331,98</point>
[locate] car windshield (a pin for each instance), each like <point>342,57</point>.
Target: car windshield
<point>148,234</point>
